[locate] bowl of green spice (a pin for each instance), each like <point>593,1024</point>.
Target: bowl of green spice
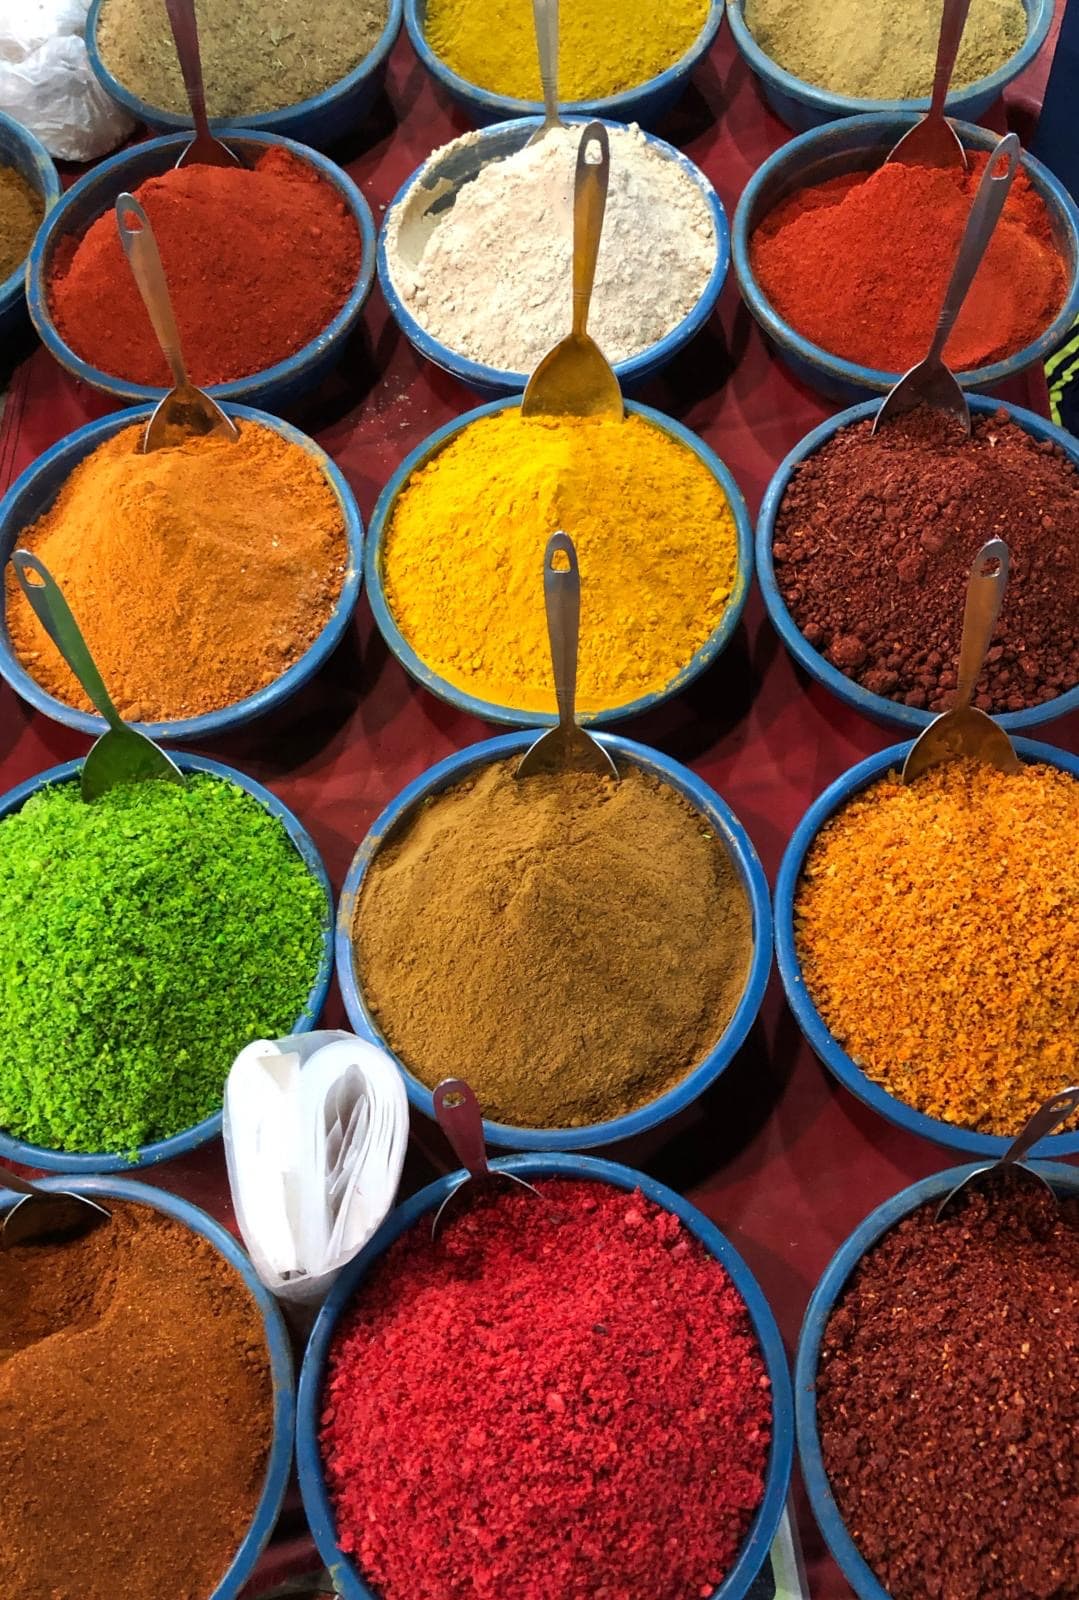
<point>144,939</point>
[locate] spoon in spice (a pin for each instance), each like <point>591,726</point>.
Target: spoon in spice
<point>204,150</point>
<point>122,754</point>
<point>458,1114</point>
<point>46,1216</point>
<point>566,746</point>
<point>964,730</point>
<point>933,142</point>
<point>545,15</point>
<point>575,379</point>
<point>185,409</point>
<point>931,382</point>
<point>1047,1118</point>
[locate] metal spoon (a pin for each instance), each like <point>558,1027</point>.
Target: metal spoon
<point>964,730</point>
<point>565,746</point>
<point>545,15</point>
<point>46,1215</point>
<point>1042,1123</point>
<point>575,378</point>
<point>185,408</point>
<point>931,383</point>
<point>204,150</point>
<point>459,1117</point>
<point>121,755</point>
<point>933,142</point>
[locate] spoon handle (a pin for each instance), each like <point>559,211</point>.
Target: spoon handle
<point>55,616</point>
<point>458,1114</point>
<point>144,259</point>
<point>185,34</point>
<point>1041,1124</point>
<point>11,1180</point>
<point>985,591</point>
<point>988,204</point>
<point>562,599</point>
<point>952,23</point>
<point>589,204</point>
<point>545,15</point>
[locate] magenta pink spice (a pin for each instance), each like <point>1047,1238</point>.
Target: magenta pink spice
<point>554,1400</point>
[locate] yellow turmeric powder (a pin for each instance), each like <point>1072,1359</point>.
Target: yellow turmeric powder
<point>605,46</point>
<point>462,561</point>
<point>938,931</point>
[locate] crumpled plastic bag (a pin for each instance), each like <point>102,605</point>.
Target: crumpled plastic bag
<point>46,82</point>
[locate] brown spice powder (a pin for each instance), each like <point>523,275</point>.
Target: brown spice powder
<point>21,211</point>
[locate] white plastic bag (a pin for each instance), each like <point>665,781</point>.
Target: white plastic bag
<point>46,82</point>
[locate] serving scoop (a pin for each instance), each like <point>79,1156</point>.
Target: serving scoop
<point>1048,1117</point>
<point>458,1114</point>
<point>933,142</point>
<point>545,16</point>
<point>43,1216</point>
<point>205,149</point>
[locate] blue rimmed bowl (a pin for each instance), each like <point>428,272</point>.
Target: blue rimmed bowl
<point>860,144</point>
<point>855,1568</point>
<point>319,120</point>
<point>34,493</point>
<point>30,159</point>
<point>431,191</point>
<point>803,105</point>
<point>445,775</point>
<point>646,103</point>
<point>809,1019</point>
<point>316,1501</point>
<point>95,194</point>
<point>278,1348</point>
<point>488,710</point>
<point>879,707</point>
<point>81,1163</point>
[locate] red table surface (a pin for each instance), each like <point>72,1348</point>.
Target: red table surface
<point>784,1161</point>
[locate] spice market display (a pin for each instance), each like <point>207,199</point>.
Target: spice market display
<point>229,1003</point>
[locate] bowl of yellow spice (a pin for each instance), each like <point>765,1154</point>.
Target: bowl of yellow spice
<point>663,540</point>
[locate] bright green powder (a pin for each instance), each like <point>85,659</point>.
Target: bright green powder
<point>144,939</point>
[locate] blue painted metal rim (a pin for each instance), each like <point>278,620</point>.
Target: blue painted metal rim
<point>13,287</point>
<point>81,1163</point>
<point>475,373</point>
<point>237,389</point>
<point>814,1029</point>
<point>268,122</point>
<point>488,710</point>
<point>282,1377</point>
<point>852,1563</point>
<point>878,706</point>
<point>212,723</point>
<point>312,1486</point>
<point>750,873</point>
<point>793,157</point>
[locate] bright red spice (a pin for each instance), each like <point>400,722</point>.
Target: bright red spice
<point>556,1399</point>
<point>258,262</point>
<point>859,265</point>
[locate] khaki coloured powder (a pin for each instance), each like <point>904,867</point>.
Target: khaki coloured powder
<point>21,211</point>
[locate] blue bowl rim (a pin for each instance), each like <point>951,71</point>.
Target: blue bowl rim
<point>878,706</point>
<point>258,121</point>
<point>812,1025</point>
<point>83,1163</point>
<point>790,158</point>
<point>506,107</point>
<point>849,1558</point>
<point>758,1541</point>
<point>209,724</point>
<point>635,368</point>
<point>487,710</point>
<point>237,389</point>
<point>750,873</point>
<point>831,104</point>
<point>282,1376</point>
<point>14,284</point>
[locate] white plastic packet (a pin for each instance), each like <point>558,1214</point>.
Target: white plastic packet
<point>315,1130</point>
<point>46,82</point>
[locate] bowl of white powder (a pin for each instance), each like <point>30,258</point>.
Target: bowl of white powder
<point>475,251</point>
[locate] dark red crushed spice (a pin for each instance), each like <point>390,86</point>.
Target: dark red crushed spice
<point>558,1398</point>
<point>948,1401</point>
<point>874,541</point>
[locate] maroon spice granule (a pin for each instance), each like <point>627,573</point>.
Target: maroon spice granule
<point>948,1401</point>
<point>557,1398</point>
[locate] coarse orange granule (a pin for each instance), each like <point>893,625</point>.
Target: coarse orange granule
<point>938,931</point>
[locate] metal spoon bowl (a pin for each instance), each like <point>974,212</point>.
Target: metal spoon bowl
<point>205,149</point>
<point>933,142</point>
<point>459,1117</point>
<point>545,15</point>
<point>46,1216</point>
<point>1047,1118</point>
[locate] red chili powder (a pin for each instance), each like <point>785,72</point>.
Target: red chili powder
<point>558,1397</point>
<point>859,266</point>
<point>258,263</point>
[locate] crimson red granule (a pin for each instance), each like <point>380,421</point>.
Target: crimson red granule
<point>557,1398</point>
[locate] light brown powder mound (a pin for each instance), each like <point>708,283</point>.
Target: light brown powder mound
<point>570,945</point>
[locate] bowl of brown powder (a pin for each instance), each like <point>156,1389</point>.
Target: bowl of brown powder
<point>29,187</point>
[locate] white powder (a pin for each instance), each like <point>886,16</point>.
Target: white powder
<point>490,276</point>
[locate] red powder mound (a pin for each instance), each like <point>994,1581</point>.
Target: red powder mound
<point>258,263</point>
<point>859,266</point>
<point>558,1398</point>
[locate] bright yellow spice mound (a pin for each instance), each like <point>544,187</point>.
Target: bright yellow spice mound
<point>938,930</point>
<point>605,46</point>
<point>656,540</point>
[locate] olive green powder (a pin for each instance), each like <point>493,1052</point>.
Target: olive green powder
<point>881,49</point>
<point>257,55</point>
<point>144,939</point>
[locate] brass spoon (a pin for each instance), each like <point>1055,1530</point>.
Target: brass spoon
<point>458,1113</point>
<point>46,1215</point>
<point>205,150</point>
<point>1048,1117</point>
<point>545,16</point>
<point>933,142</point>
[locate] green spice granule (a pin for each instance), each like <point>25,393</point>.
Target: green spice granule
<point>144,939</point>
